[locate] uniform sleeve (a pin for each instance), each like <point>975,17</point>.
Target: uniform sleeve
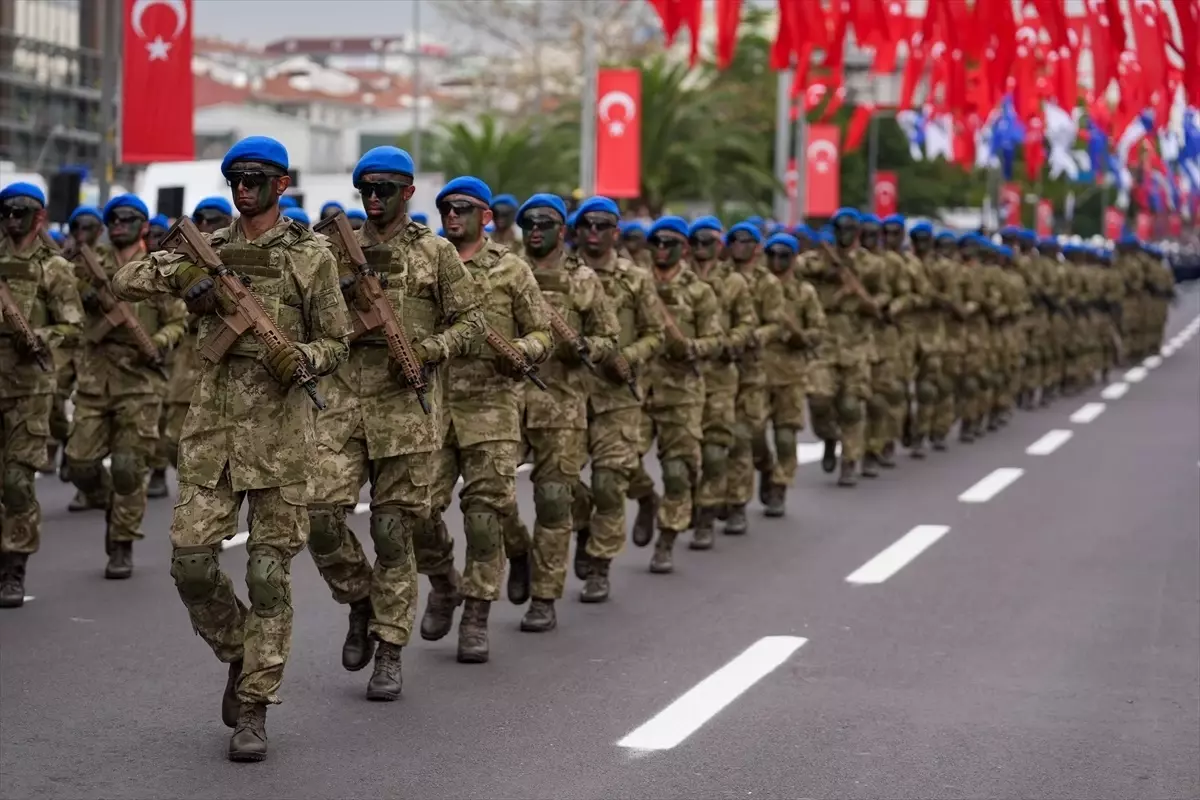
<point>648,321</point>
<point>741,312</point>
<point>460,296</point>
<point>328,319</point>
<point>710,336</point>
<point>62,301</point>
<point>903,299</point>
<point>600,324</point>
<point>873,278</point>
<point>154,274</point>
<point>814,326</point>
<point>771,301</point>
<point>529,311</point>
<point>173,316</point>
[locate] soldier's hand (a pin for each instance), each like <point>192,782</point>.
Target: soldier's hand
<point>29,351</point>
<point>90,299</point>
<point>284,363</point>
<point>681,349</point>
<point>429,352</point>
<point>193,282</point>
<point>348,283</point>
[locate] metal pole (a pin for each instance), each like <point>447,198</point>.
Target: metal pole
<point>587,110</point>
<point>416,138</point>
<point>783,134</point>
<point>537,58</point>
<point>800,150</point>
<point>872,161</point>
<point>108,91</point>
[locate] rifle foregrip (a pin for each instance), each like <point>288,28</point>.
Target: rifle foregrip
<point>538,382</point>
<point>314,394</point>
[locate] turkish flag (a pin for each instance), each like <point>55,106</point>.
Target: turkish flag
<point>1010,204</point>
<point>1175,226</point>
<point>1147,21</point>
<point>1114,221</point>
<point>156,85</point>
<point>1143,225</point>
<point>823,170</point>
<point>619,133</point>
<point>885,193</point>
<point>1044,221</point>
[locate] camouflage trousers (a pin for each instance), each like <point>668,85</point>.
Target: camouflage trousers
<point>677,430</point>
<point>928,383</point>
<point>1036,355</point>
<point>1054,369</point>
<point>64,377</point>
<point>1010,347</point>
<point>885,406</point>
<point>24,434</point>
<point>614,441</point>
<point>948,405</point>
<point>261,636</point>
<point>976,376</point>
<point>720,417</point>
<point>641,485</point>
<point>124,427</point>
<point>170,425</point>
<point>838,412</point>
<point>745,459</point>
<point>400,506</point>
<point>785,412</point>
<point>487,498</point>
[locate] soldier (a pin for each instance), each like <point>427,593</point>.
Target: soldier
<point>633,244</point>
<point>891,290</point>
<point>1035,326</point>
<point>738,324</point>
<point>977,365</point>
<point>793,359</point>
<point>357,218</point>
<point>1058,329</point>
<point>299,215</point>
<point>156,230</point>
<point>839,273</point>
<point>249,437</point>
<point>504,215</point>
<point>482,434</point>
<point>614,405</point>
<point>1130,263</point>
<point>1160,284</point>
<point>330,209</point>
<point>1013,332</point>
<point>555,421</point>
<point>119,392</point>
<point>936,415</point>
<point>43,288</point>
<point>374,429</point>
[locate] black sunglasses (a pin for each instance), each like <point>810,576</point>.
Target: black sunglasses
<point>208,217</point>
<point>704,241</point>
<point>124,217</point>
<point>741,238</point>
<point>779,254</point>
<point>381,189</point>
<point>663,242</point>
<point>541,224</point>
<point>89,225</point>
<point>460,208</point>
<point>597,226</point>
<point>251,179</point>
<point>15,212</point>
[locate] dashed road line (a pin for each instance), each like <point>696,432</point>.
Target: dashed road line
<point>811,452</point>
<point>991,486</point>
<point>1087,412</point>
<point>1115,390</point>
<point>1152,362</point>
<point>1136,375</point>
<point>685,716</point>
<point>897,555</point>
<point>1049,443</point>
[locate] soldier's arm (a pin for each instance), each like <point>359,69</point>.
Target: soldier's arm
<point>649,323</point>
<point>529,311</point>
<point>922,288</point>
<point>812,317</point>
<point>600,324</point>
<point>461,297</point>
<point>173,315</point>
<point>62,301</point>
<point>154,274</point>
<point>771,299</point>
<point>742,313</point>
<point>326,312</point>
<point>710,336</point>
<point>902,289</point>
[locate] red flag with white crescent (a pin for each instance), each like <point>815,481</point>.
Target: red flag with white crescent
<point>619,133</point>
<point>885,193</point>
<point>156,84</point>
<point>1044,221</point>
<point>1114,221</point>
<point>822,182</point>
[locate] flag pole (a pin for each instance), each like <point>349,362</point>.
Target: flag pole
<point>783,133</point>
<point>587,110</point>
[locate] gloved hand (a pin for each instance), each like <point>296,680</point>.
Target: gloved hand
<point>609,367</point>
<point>429,352</point>
<point>90,298</point>
<point>508,368</point>
<point>286,362</point>
<point>348,281</point>
<point>161,343</point>
<point>193,282</point>
<point>681,349</point>
<point>567,353</point>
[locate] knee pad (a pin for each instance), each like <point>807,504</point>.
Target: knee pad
<point>608,495</point>
<point>849,409</point>
<point>879,404</point>
<point>927,392</point>
<point>820,405</point>
<point>970,386</point>
<point>392,534</point>
<point>552,504</point>
<point>484,533</point>
<point>18,492</point>
<point>896,392</point>
<point>325,529</point>
<point>785,443</point>
<point>267,581</point>
<point>88,476</point>
<point>127,473</point>
<point>196,572</point>
<point>714,459</point>
<point>677,479</point>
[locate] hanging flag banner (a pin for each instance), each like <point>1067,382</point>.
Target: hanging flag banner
<point>1175,226</point>
<point>791,185</point>
<point>885,193</point>
<point>1114,221</point>
<point>1044,221</point>
<point>619,133</point>
<point>1143,225</point>
<point>1010,204</point>
<point>822,183</point>
<point>156,82</point>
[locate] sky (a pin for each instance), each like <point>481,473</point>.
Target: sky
<point>262,21</point>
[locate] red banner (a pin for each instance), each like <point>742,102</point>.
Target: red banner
<point>1010,204</point>
<point>619,133</point>
<point>156,85</point>
<point>885,193</point>
<point>822,183</point>
<point>1175,226</point>
<point>1143,225</point>
<point>1044,222</point>
<point>791,185</point>
<point>1114,221</point>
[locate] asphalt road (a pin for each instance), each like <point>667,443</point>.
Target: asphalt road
<point>1042,640</point>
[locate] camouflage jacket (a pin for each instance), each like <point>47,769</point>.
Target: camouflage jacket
<point>850,320</point>
<point>978,301</point>
<point>692,306</point>
<point>798,339</point>
<point>427,285</point>
<point>766,301</point>
<point>510,239</point>
<point>920,317</point>
<point>182,365</point>
<point>482,401</point>
<point>738,324</point>
<point>643,258</point>
<point>44,289</point>
<point>241,419</point>
<point>573,289</point>
<point>947,290</point>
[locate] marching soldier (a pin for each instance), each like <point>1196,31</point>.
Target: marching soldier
<point>504,215</point>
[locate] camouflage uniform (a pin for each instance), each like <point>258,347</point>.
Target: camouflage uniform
<point>888,282</point>
<point>949,303</point>
<point>1036,328</point>
<point>976,365</point>
<point>248,438</point>
<point>118,400</point>
<point>1075,295</point>
<point>1160,282</point>
<point>998,314</point>
<point>922,328</point>
<point>1054,369</point>
<point>183,368</point>
<point>1132,266</point>
<point>510,238</point>
<point>374,429</point>
<point>1013,338</point>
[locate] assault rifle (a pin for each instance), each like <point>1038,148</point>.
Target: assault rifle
<point>117,313</point>
<point>563,331</point>
<point>850,279</point>
<point>505,349</point>
<point>11,313</point>
<point>676,335</point>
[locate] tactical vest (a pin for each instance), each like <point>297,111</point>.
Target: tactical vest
<point>555,285</point>
<point>676,297</point>
<point>24,278</point>
<point>618,285</point>
<point>419,315</point>
<point>500,319</point>
<point>264,272</point>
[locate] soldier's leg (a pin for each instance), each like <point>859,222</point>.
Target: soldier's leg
<point>713,489</point>
<point>558,456</point>
<point>641,485</point>
<point>333,489</point>
<point>928,395</point>
<point>60,425</point>
<point>400,506</point>
<point>760,445</point>
<point>679,435</point>
<point>87,447</point>
<point>853,389</point>
<point>25,426</point>
<point>945,408</point>
<point>822,389</point>
<point>879,412</point>
<point>134,438</point>
<point>432,543</point>
<point>518,544</point>
<point>613,442</point>
<point>748,427</point>
<point>159,458</point>
<point>787,419</point>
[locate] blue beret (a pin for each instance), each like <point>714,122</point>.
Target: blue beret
<point>869,219</point>
<point>383,159</point>
<point>161,220</point>
<point>921,227</point>
<point>217,204</point>
<point>1026,235</point>
<point>543,200</point>
<point>971,238</point>
<point>297,214</point>
<point>756,220</point>
<point>1004,250</point>
<point>852,213</point>
<point>287,201</point>
<point>574,215</point>
<point>22,189</point>
<point>826,237</point>
<point>776,228</point>
<point>441,231</point>
<point>1048,241</point>
<point>946,235</point>
<point>468,185</point>
<point>670,223</point>
<point>598,204</point>
<point>1071,249</point>
<point>84,211</point>
<point>419,217</point>
<point>358,213</point>
<point>332,204</point>
<point>630,226</point>
<point>1010,230</point>
<point>803,232</point>
<point>744,227</point>
<point>58,236</point>
<point>256,148</point>
<point>489,228</point>
<point>1129,239</point>
<point>785,239</point>
<point>504,200</point>
<point>708,223</point>
<point>893,219</point>
<point>126,201</point>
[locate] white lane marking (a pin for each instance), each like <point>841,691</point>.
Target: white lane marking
<point>236,540</point>
<point>991,486</point>
<point>362,508</point>
<point>1049,443</point>
<point>1088,412</point>
<point>898,554</point>
<point>1115,390</point>
<point>524,467</point>
<point>1152,362</point>
<point>107,462</point>
<point>702,702</point>
<point>29,598</point>
<point>811,452</point>
<point>1168,350</point>
<point>1136,375</point>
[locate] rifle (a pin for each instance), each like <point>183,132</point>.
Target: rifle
<point>11,313</point>
<point>117,313</point>
<point>849,279</point>
<point>676,335</point>
<point>512,355</point>
<point>248,313</point>
<point>379,312</point>
<point>563,331</point>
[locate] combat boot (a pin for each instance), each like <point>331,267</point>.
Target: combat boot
<point>582,559</point>
<point>662,562</point>
<point>723,512</point>
<point>849,475</point>
<point>776,501</point>
<point>993,423</point>
<point>473,633</point>
<point>387,680</point>
<point>980,427</point>
<point>446,596</point>
<point>1047,396</point>
<point>230,705</point>
<point>359,646</point>
<point>870,466</point>
<point>540,617</point>
<point>157,488</point>
<point>81,502</point>
<point>938,443</point>
<point>764,487</point>
<point>736,525</point>
<point>12,579</point>
<point>829,459</point>
<point>647,516</point>
<point>918,448</point>
<point>966,431</point>
<point>702,533</point>
<point>120,561</point>
<point>887,456</point>
<point>595,590</point>
<point>249,740</point>
<point>519,579</point>
<point>51,459</point>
